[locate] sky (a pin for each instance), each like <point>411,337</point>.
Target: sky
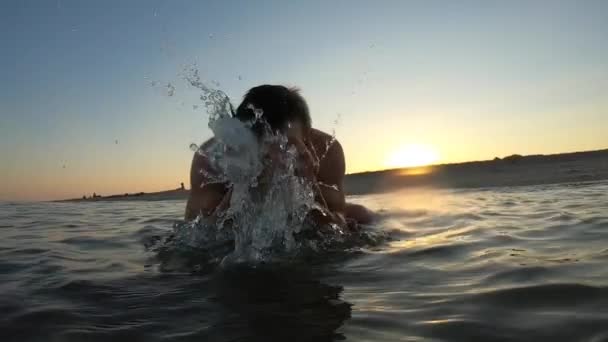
<point>85,104</point>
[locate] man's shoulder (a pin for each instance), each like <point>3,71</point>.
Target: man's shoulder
<point>200,155</point>
<point>331,157</point>
<point>210,142</point>
<point>320,137</point>
<point>210,145</point>
<point>318,134</point>
<point>326,145</point>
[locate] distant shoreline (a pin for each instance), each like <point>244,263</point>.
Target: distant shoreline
<point>515,170</point>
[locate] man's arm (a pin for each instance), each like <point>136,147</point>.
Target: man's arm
<point>205,196</point>
<point>327,186</point>
<point>327,182</point>
<point>327,175</point>
<point>331,178</point>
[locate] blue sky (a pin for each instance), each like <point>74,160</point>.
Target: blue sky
<point>472,79</point>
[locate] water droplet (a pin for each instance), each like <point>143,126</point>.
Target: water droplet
<point>170,90</point>
<point>194,147</point>
<point>337,120</point>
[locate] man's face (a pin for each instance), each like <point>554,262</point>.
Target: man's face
<point>295,130</point>
<point>291,129</point>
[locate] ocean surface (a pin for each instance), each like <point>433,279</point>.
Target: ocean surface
<point>497,264</point>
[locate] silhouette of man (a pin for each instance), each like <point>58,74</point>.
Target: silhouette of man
<point>320,157</point>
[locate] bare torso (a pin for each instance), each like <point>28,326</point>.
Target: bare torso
<point>206,198</point>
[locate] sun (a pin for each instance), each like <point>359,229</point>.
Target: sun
<point>412,155</point>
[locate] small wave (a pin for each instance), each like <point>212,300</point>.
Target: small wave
<point>517,276</point>
<point>548,295</point>
<point>439,251</point>
<point>161,221</point>
<point>43,318</point>
<point>90,242</point>
<point>397,214</point>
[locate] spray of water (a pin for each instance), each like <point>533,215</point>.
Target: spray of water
<point>268,202</point>
<point>267,217</point>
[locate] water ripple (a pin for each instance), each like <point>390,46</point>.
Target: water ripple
<point>504,264</point>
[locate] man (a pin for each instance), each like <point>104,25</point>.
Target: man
<point>320,157</point>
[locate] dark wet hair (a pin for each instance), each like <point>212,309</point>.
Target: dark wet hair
<point>280,105</point>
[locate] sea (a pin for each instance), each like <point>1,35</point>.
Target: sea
<point>526,263</point>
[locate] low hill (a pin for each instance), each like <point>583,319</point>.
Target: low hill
<point>514,170</point>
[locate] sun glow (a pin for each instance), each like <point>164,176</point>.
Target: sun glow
<point>412,156</point>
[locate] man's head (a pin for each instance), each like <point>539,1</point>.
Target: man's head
<point>281,108</point>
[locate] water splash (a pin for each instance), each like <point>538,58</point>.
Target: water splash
<point>267,218</point>
<point>268,202</point>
